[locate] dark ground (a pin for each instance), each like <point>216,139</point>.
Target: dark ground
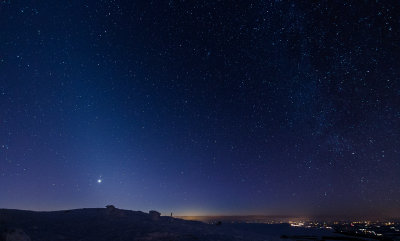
<point>102,224</point>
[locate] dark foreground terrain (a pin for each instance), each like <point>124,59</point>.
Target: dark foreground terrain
<point>112,224</point>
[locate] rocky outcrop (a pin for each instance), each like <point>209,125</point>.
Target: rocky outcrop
<point>115,212</point>
<point>111,207</point>
<point>154,215</point>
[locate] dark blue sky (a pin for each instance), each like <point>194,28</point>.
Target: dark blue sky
<point>201,107</point>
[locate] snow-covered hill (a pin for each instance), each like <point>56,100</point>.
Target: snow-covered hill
<point>112,224</point>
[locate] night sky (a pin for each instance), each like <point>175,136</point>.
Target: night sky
<point>201,107</point>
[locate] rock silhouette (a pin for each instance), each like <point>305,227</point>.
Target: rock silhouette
<point>154,215</point>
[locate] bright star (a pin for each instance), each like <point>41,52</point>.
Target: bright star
<point>99,180</point>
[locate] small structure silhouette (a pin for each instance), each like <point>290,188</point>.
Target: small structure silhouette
<point>154,215</point>
<point>111,207</point>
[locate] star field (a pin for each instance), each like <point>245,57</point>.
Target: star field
<point>205,107</point>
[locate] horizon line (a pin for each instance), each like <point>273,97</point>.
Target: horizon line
<point>225,215</point>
